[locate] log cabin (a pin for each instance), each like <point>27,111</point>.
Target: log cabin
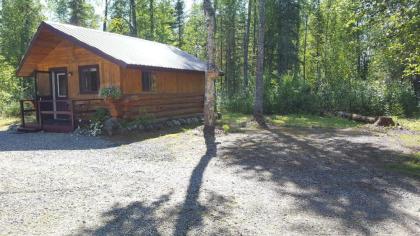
<point>70,65</point>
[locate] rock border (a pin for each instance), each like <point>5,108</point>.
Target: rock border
<point>113,126</point>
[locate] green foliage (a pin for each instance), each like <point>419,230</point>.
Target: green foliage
<point>6,121</point>
<point>95,128</point>
<point>226,128</point>
<point>76,12</point>
<point>18,21</point>
<point>409,123</point>
<point>110,92</point>
<point>292,94</point>
<point>195,32</point>
<point>311,121</point>
<point>101,114</point>
<point>178,26</point>
<point>410,164</point>
<point>289,95</point>
<point>230,120</point>
<point>144,119</point>
<point>11,109</point>
<point>10,89</point>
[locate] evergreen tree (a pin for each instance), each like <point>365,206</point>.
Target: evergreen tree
<point>179,22</point>
<point>76,12</point>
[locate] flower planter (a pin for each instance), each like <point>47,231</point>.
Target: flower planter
<point>114,106</point>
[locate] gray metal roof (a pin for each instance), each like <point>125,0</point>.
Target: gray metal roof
<point>129,51</point>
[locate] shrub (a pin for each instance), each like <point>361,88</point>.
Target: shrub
<point>10,110</point>
<point>292,94</point>
<point>110,92</point>
<point>101,114</point>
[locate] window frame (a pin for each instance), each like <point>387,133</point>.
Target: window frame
<point>98,82</point>
<point>57,74</point>
<point>152,82</point>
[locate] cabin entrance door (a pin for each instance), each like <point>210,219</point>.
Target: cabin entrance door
<point>60,92</point>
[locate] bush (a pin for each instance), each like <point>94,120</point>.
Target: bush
<point>292,94</point>
<point>110,92</point>
<point>10,110</point>
<point>101,114</point>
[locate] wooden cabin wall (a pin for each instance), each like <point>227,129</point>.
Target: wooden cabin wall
<point>70,56</point>
<point>166,81</point>
<point>176,93</point>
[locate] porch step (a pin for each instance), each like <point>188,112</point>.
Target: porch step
<point>28,129</point>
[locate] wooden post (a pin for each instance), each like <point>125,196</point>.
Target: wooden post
<point>39,113</point>
<point>22,113</point>
<point>36,104</point>
<point>72,113</point>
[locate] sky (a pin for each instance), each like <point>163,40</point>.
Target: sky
<point>100,5</point>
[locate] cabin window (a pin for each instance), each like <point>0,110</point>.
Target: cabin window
<point>147,81</point>
<point>89,79</point>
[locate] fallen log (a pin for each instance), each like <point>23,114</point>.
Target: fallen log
<point>378,120</point>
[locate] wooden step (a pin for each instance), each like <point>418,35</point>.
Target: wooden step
<point>28,129</point>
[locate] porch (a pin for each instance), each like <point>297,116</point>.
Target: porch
<point>50,108</point>
<point>55,116</point>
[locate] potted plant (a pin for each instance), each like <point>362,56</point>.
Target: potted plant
<point>112,96</point>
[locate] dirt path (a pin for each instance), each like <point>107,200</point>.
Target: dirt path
<point>266,182</point>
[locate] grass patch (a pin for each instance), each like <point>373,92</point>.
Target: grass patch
<point>6,121</point>
<point>411,165</point>
<point>234,121</point>
<point>408,123</point>
<point>410,140</point>
<point>312,121</point>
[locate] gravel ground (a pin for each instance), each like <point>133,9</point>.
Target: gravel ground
<point>266,182</point>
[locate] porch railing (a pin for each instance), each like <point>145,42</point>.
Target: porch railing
<point>33,107</point>
<point>46,107</point>
<point>67,111</point>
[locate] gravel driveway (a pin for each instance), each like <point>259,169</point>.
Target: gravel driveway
<point>265,182</point>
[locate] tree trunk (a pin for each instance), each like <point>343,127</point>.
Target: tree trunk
<point>105,15</point>
<point>304,45</point>
<point>152,20</point>
<point>211,72</point>
<point>246,44</point>
<point>133,23</point>
<point>259,82</point>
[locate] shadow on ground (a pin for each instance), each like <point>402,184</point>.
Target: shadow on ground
<point>334,174</point>
<point>334,177</point>
<point>138,218</point>
<point>15,141</point>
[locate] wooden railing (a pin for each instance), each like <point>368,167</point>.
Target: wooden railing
<point>24,111</point>
<point>63,107</point>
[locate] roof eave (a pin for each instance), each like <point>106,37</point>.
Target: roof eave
<point>69,38</point>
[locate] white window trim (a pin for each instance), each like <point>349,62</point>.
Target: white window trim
<point>58,85</point>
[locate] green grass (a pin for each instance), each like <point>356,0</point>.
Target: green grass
<point>411,165</point>
<point>410,140</point>
<point>312,121</point>
<point>232,121</point>
<point>408,123</point>
<point>6,121</point>
<point>234,118</point>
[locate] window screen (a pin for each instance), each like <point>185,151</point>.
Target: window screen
<point>147,81</point>
<point>89,79</point>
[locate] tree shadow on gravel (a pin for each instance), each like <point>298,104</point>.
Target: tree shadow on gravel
<point>14,141</point>
<point>138,218</point>
<point>191,212</point>
<point>49,141</point>
<point>334,176</point>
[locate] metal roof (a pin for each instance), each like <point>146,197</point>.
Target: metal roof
<point>126,50</point>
